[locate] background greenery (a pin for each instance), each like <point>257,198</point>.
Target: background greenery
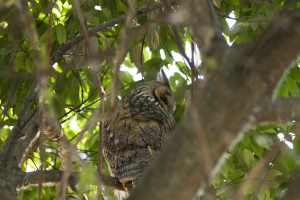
<point>71,89</point>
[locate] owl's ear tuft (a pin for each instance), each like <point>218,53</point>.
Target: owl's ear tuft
<point>162,78</point>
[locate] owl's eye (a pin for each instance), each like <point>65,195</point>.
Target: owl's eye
<point>164,99</point>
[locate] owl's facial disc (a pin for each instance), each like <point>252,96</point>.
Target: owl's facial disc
<point>163,95</point>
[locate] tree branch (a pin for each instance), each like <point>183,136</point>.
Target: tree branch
<point>205,29</point>
<point>293,191</point>
<point>280,110</point>
<point>274,50</point>
<point>54,177</point>
<point>244,77</point>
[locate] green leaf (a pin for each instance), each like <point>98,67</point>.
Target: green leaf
<point>246,141</point>
<point>106,12</point>
<point>283,90</point>
<point>122,5</point>
<point>248,158</point>
<point>152,39</point>
<point>10,122</point>
<point>296,145</point>
<point>265,127</point>
<point>163,33</point>
<point>86,177</point>
<point>225,26</point>
<point>217,179</point>
<point>28,66</point>
<point>137,57</point>
<point>61,83</point>
<point>125,77</point>
<point>58,105</point>
<point>262,141</point>
<point>248,197</point>
<point>236,174</point>
<point>269,13</point>
<point>291,85</point>
<point>295,72</point>
<point>253,25</point>
<point>272,174</point>
<point>94,44</point>
<point>256,149</point>
<point>61,34</point>
<point>73,89</point>
<point>44,38</point>
<point>264,192</point>
<point>79,60</point>
<point>235,2</point>
<point>217,3</point>
<point>110,7</point>
<point>224,171</point>
<point>228,167</point>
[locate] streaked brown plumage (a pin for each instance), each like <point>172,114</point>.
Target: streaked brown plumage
<point>144,121</point>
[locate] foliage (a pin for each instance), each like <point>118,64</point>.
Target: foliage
<point>72,89</point>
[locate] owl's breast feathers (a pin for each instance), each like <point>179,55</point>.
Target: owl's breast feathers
<point>137,133</point>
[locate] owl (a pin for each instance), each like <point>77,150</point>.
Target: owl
<point>143,123</point>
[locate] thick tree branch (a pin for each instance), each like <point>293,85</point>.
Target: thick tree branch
<point>54,177</point>
<point>226,109</point>
<point>293,191</point>
<point>280,110</point>
<point>273,51</point>
<point>205,29</point>
<point>20,137</point>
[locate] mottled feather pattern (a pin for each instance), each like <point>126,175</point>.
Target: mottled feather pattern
<point>143,122</point>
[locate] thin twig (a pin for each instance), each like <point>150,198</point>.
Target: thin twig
<point>242,20</point>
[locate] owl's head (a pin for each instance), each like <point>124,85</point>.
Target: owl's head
<point>164,94</point>
<point>149,97</point>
